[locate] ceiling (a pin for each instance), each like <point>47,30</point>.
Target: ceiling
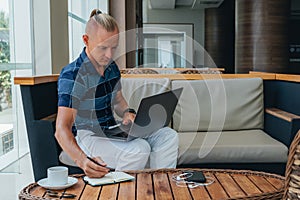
<point>193,4</point>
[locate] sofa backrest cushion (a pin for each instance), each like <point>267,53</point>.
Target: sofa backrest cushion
<point>219,104</point>
<point>134,89</point>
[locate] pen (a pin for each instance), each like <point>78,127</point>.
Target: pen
<point>114,126</point>
<point>110,169</point>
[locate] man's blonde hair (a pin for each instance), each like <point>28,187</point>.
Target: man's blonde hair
<point>105,20</point>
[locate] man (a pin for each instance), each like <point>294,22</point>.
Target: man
<point>88,89</point>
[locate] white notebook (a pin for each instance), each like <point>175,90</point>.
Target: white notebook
<point>110,178</point>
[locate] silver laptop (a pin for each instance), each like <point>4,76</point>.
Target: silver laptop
<point>154,113</point>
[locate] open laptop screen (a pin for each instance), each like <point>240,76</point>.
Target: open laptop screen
<point>154,112</point>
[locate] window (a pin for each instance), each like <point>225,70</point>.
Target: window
<point>164,50</point>
<point>168,45</point>
<point>17,43</point>
<point>6,127</point>
<point>79,12</point>
<point>15,59</point>
<point>7,141</point>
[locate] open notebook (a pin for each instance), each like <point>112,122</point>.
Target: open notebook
<point>110,178</point>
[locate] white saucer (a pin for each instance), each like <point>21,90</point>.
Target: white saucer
<point>44,183</point>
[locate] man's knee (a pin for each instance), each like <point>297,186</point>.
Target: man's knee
<point>171,135</point>
<point>140,146</point>
<point>165,138</point>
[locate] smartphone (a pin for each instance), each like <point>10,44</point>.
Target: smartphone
<point>197,176</point>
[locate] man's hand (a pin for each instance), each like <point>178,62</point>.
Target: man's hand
<point>128,118</point>
<point>94,169</point>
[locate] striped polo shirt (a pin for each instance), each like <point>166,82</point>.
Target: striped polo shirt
<point>81,87</point>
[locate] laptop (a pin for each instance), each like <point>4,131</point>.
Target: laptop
<point>154,113</point>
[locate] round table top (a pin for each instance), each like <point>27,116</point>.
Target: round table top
<point>160,184</point>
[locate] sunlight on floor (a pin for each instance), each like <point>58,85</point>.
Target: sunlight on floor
<point>12,183</point>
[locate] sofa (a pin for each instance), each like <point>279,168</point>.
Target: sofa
<point>221,123</point>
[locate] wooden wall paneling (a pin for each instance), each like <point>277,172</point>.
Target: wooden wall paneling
<point>261,39</point>
<point>219,35</point>
<point>125,14</point>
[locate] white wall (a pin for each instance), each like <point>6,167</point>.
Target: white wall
<point>41,37</point>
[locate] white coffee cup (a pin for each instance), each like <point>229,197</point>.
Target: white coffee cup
<point>57,175</point>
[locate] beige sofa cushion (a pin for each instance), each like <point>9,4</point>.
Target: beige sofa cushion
<point>219,104</point>
<point>134,89</point>
<point>230,147</point>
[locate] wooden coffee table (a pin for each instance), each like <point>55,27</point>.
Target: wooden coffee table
<point>158,184</point>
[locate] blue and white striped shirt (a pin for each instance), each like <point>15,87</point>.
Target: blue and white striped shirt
<point>81,87</point>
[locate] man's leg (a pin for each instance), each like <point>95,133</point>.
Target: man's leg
<point>120,155</point>
<point>164,148</point>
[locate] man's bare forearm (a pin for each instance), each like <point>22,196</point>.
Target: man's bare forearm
<point>120,104</point>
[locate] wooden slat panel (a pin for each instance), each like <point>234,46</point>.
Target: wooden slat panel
<point>278,184</point>
<point>257,30</point>
<point>282,114</point>
<point>246,184</point>
<point>215,190</point>
<point>264,185</point>
<point>179,192</point>
<point>127,189</point>
<point>59,194</point>
<point>38,191</point>
<point>90,192</point>
<point>109,192</point>
<point>162,188</point>
<point>77,188</point>
<point>144,187</point>
<point>232,189</point>
<point>200,191</point>
<point>219,40</point>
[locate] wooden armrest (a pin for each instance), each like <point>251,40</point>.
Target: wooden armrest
<point>282,114</point>
<point>51,118</point>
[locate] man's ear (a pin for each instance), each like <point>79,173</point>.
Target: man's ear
<point>85,39</point>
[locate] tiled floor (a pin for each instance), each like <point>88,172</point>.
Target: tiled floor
<point>12,183</point>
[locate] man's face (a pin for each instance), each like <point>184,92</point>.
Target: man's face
<point>102,45</point>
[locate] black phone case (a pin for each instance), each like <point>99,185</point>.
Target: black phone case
<point>197,177</point>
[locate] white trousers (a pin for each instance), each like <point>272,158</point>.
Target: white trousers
<point>160,150</point>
